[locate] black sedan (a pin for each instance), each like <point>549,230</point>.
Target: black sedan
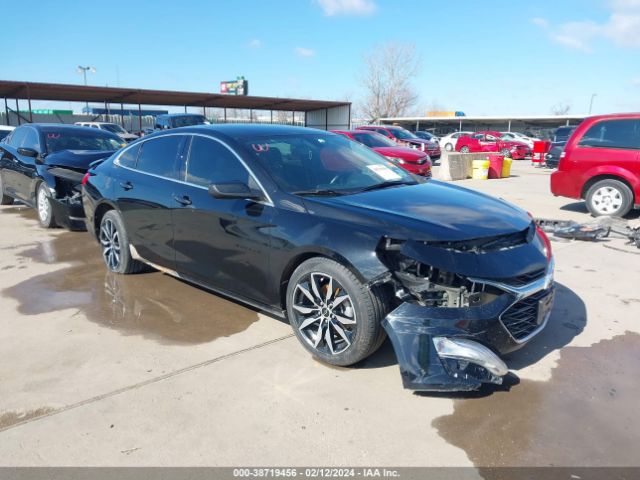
<point>43,165</point>
<point>325,232</point>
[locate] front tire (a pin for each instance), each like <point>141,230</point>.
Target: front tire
<point>335,317</point>
<point>448,147</point>
<point>114,243</point>
<point>505,152</point>
<point>609,197</point>
<point>4,199</point>
<point>44,207</point>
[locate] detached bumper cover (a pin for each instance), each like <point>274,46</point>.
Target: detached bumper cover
<point>456,349</point>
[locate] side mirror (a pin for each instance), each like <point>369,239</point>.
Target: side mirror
<point>233,190</point>
<point>28,152</point>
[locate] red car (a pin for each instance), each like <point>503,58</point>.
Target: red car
<point>492,141</point>
<point>601,164</point>
<point>405,138</point>
<point>412,160</point>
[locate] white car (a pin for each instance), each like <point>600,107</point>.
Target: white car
<point>5,130</point>
<point>448,142</point>
<point>110,127</point>
<point>519,137</point>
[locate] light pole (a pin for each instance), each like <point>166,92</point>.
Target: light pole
<point>84,71</point>
<point>593,95</point>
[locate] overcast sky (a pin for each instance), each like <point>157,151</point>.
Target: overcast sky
<point>491,57</point>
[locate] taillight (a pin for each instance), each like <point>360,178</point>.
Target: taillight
<point>546,242</point>
<point>85,179</point>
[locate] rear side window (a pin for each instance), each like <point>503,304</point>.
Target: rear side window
<point>130,156</point>
<point>613,134</point>
<point>17,137</point>
<point>162,156</point>
<point>31,139</point>
<point>211,162</point>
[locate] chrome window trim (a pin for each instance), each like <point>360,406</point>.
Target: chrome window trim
<point>116,162</point>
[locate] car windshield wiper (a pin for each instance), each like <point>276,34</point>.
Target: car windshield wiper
<point>393,183</point>
<point>317,192</point>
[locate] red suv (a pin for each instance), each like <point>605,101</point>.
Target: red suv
<point>601,164</point>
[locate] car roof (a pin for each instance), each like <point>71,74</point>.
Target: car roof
<point>238,130</point>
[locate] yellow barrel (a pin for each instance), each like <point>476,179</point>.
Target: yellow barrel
<point>506,167</point>
<point>480,169</point>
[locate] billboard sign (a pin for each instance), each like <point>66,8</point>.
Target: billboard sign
<point>239,86</point>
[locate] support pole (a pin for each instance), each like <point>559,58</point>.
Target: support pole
<point>225,114</point>
<point>271,116</point>
<point>18,111</point>
<point>139,115</point>
<point>326,119</point>
<point>6,111</point>
<point>509,126</point>
<point>29,101</point>
<point>121,114</point>
<point>185,109</point>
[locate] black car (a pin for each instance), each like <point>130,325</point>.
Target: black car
<point>43,165</point>
<point>426,135</point>
<point>319,229</point>
<point>177,120</point>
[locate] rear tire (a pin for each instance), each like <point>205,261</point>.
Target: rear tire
<point>505,152</point>
<point>114,243</point>
<point>609,198</point>
<point>4,199</point>
<point>334,315</point>
<point>448,147</point>
<point>464,149</point>
<point>44,207</point>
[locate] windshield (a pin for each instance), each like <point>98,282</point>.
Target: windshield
<point>112,127</point>
<point>318,163</point>
<point>373,140</point>
<point>402,134</point>
<point>80,140</point>
<point>188,120</point>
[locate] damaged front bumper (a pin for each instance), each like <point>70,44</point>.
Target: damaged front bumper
<point>66,198</point>
<point>457,349</point>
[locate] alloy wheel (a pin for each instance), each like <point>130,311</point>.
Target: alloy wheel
<point>325,314</point>
<point>607,200</point>
<point>42,201</point>
<point>110,241</point>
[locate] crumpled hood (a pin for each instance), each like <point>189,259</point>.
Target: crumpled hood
<point>430,211</point>
<point>78,159</point>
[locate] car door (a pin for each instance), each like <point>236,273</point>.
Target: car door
<point>146,177</point>
<point>223,243</point>
<point>608,143</point>
<point>9,163</point>
<point>26,167</point>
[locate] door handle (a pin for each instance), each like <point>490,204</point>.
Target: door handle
<point>126,185</point>
<point>184,200</point>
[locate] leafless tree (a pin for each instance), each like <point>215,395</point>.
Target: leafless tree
<point>561,108</point>
<point>387,80</point>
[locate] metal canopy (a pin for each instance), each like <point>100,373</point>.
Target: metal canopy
<point>81,93</point>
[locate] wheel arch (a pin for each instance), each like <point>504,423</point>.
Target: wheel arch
<point>304,255</point>
<point>607,176</point>
<point>99,212</point>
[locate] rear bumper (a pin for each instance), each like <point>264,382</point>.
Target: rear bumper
<point>458,349</point>
<point>563,184</point>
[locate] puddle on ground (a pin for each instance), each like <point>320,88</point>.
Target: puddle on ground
<point>587,414</point>
<point>10,418</point>
<point>151,304</point>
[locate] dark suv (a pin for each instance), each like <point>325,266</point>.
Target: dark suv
<point>346,245</point>
<point>176,120</point>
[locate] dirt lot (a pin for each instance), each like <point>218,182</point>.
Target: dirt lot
<point>98,369</point>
